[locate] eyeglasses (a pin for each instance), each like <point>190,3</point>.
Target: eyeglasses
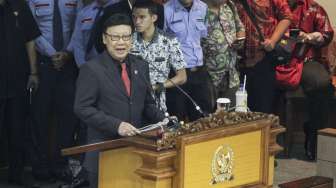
<point>118,37</point>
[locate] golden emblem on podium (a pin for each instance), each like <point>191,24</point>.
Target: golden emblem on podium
<point>222,165</point>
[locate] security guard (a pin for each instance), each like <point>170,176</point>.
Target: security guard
<point>84,36</point>
<point>18,30</point>
<point>56,19</point>
<point>186,19</point>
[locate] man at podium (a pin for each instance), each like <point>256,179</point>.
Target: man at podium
<point>113,92</point>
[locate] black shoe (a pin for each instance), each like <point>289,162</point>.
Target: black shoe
<point>76,183</point>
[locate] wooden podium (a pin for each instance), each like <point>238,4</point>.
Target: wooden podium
<point>234,155</point>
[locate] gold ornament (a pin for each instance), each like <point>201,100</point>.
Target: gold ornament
<point>222,165</point>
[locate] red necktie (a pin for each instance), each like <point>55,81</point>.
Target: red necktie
<point>125,78</point>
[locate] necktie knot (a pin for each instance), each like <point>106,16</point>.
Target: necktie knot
<point>123,66</point>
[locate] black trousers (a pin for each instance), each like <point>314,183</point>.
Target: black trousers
<point>54,97</point>
<point>198,87</point>
<point>318,103</point>
<point>260,85</point>
<point>13,115</point>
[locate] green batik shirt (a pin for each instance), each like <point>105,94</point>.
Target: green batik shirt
<point>219,57</point>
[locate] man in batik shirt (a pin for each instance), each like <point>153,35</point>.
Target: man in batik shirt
<point>220,48</point>
<point>315,32</point>
<point>161,51</point>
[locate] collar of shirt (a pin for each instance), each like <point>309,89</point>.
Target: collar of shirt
<point>178,6</point>
<point>154,39</point>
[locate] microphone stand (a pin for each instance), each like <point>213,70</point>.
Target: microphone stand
<point>196,106</point>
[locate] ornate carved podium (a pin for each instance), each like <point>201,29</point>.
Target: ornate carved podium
<point>223,150</point>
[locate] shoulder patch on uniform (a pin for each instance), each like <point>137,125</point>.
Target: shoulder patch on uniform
<point>86,20</point>
<point>176,21</point>
<point>41,5</point>
<point>71,4</point>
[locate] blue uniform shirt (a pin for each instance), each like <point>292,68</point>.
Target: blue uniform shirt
<point>189,27</point>
<point>84,23</point>
<point>42,11</point>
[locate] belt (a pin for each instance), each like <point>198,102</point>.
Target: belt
<point>42,59</point>
<point>194,69</point>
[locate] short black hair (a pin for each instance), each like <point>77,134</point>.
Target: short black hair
<point>148,4</point>
<point>118,19</point>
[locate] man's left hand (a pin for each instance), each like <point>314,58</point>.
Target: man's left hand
<point>59,59</point>
<point>33,82</point>
<point>268,45</point>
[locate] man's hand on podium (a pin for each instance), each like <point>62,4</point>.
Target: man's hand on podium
<point>126,129</point>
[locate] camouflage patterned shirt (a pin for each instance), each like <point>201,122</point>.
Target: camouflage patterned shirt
<point>219,57</point>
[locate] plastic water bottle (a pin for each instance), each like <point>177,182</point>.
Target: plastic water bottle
<point>241,99</point>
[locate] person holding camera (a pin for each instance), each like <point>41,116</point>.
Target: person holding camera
<point>265,22</point>
<point>312,31</point>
